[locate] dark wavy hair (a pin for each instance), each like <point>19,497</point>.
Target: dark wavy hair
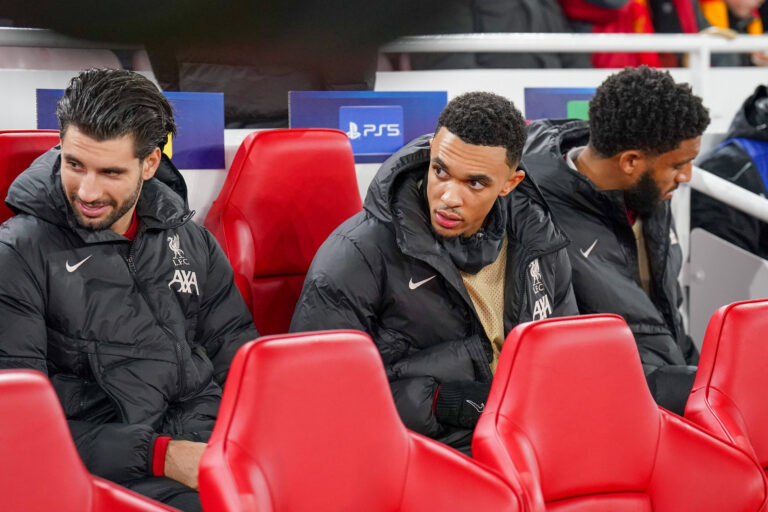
<point>486,119</point>
<point>109,103</point>
<point>644,109</point>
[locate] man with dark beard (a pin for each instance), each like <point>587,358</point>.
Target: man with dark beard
<point>454,248</point>
<point>608,182</point>
<point>109,289</point>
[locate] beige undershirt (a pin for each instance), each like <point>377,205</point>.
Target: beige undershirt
<point>486,289</point>
<point>642,257</point>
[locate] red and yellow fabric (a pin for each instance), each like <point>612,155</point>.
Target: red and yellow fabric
<point>634,17</point>
<point>716,12</point>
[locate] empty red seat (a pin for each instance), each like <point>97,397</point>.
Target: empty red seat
<point>571,416</point>
<point>18,149</point>
<point>40,469</point>
<point>285,192</point>
<point>729,394</point>
<point>308,423</point>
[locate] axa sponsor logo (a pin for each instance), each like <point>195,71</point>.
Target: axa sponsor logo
<point>178,254</point>
<point>186,281</point>
<point>542,308</point>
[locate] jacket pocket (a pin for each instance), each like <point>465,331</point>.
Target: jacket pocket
<point>451,360</point>
<point>83,399</point>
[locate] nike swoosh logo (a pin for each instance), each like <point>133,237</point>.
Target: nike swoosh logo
<point>589,250</point>
<point>72,268</point>
<point>478,408</point>
<point>413,285</point>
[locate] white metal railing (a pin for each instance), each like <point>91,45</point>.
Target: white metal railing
<point>730,194</point>
<point>576,43</point>
<point>716,188</point>
<point>700,47</point>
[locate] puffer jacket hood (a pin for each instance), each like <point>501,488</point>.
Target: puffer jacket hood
<point>529,216</point>
<point>411,158</point>
<point>743,125</point>
<point>38,191</point>
<point>555,137</point>
<point>552,139</point>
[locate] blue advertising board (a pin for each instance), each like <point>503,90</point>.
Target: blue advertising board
<point>199,120</point>
<point>377,123</point>
<point>557,102</point>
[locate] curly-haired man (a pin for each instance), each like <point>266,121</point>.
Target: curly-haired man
<point>454,248</point>
<point>608,182</point>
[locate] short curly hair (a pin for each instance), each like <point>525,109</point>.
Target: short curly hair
<point>644,109</point>
<point>486,119</point>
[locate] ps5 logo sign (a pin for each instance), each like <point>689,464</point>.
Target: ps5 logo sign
<point>382,130</point>
<point>373,130</point>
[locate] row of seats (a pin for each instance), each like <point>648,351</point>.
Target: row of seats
<point>617,463</point>
<point>307,422</point>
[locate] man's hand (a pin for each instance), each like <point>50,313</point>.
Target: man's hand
<point>182,461</point>
<point>461,403</point>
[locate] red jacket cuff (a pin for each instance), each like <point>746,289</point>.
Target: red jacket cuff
<point>158,455</point>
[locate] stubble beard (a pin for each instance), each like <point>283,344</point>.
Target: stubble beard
<point>118,211</point>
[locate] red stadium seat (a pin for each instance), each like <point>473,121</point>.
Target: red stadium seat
<point>571,410</point>
<point>18,149</point>
<point>728,395</point>
<point>284,194</point>
<point>307,423</point>
<point>39,465</point>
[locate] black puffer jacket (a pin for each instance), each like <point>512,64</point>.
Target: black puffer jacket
<point>136,337</point>
<point>603,253</point>
<point>383,272</point>
<point>731,162</point>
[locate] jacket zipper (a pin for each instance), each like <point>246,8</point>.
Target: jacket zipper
<point>100,381</point>
<point>166,330</point>
<point>670,307</point>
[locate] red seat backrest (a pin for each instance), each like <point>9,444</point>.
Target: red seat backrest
<point>41,469</point>
<point>570,408</point>
<point>285,192</point>
<point>308,423</point>
<point>728,395</point>
<point>18,149</point>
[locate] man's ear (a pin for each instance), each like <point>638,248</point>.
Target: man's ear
<point>515,177</point>
<point>151,163</point>
<point>633,163</point>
